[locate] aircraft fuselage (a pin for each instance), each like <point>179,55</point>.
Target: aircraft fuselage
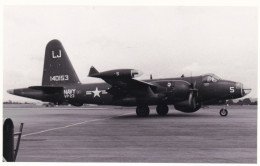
<point>95,93</point>
<point>60,84</point>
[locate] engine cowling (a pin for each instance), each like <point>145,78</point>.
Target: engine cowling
<point>177,90</point>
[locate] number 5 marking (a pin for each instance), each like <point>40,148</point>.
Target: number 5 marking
<point>232,90</point>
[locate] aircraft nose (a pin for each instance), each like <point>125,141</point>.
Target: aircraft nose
<point>11,91</point>
<point>246,90</point>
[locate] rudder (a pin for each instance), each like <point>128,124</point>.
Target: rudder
<point>57,68</point>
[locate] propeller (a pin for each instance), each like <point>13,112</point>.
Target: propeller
<point>193,95</point>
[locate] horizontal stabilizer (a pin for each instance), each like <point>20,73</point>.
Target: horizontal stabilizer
<point>92,71</point>
<point>48,89</point>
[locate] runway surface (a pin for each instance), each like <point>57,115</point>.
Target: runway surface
<point>115,134</point>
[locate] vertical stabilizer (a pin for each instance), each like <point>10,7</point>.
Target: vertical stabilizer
<point>57,68</point>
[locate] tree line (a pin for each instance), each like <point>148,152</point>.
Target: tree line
<point>245,101</point>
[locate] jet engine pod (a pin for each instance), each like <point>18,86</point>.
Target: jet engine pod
<point>118,73</point>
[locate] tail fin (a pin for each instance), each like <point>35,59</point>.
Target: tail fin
<point>57,69</point>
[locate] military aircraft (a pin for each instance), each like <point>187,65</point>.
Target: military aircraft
<point>60,84</point>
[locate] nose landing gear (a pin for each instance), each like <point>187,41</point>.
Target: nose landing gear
<point>223,112</point>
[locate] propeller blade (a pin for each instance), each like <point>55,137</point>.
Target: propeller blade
<point>192,100</point>
<point>194,85</point>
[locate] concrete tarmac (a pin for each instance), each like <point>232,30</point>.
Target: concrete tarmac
<point>115,134</point>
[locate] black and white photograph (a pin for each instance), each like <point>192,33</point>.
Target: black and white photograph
<point>130,83</point>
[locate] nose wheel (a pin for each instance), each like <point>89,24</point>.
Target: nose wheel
<point>223,112</point>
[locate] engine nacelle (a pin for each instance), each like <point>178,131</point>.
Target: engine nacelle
<point>118,73</point>
<point>175,91</point>
<point>183,95</point>
<point>178,90</point>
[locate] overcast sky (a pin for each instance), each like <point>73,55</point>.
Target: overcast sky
<point>163,41</point>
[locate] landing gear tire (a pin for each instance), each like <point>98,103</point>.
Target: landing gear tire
<point>142,111</point>
<point>162,109</point>
<point>223,112</point>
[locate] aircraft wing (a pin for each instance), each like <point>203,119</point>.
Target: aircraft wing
<point>131,87</point>
<point>123,83</point>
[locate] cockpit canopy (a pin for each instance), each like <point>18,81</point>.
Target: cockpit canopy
<point>207,78</point>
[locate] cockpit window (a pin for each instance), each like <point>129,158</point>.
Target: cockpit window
<point>214,79</point>
<point>210,78</point>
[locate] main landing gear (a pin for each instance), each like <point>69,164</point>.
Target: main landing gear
<point>223,112</point>
<point>142,110</point>
<point>162,109</point>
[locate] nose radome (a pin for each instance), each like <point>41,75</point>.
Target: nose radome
<point>245,90</point>
<point>11,91</point>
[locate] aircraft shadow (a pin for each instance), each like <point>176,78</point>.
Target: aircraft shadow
<point>155,116</point>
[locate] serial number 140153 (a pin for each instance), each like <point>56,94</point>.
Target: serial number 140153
<point>59,78</point>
